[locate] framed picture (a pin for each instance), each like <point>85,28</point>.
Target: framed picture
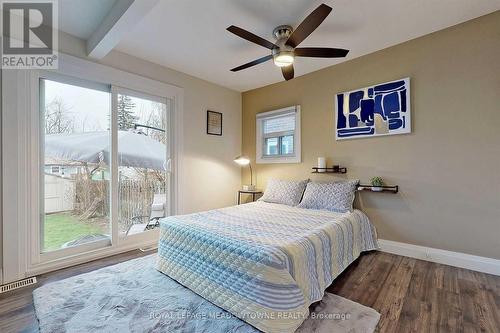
<point>214,123</point>
<point>381,109</point>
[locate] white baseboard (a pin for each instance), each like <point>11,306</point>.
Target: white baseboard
<point>457,259</point>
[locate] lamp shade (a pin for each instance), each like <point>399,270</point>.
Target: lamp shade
<point>242,160</point>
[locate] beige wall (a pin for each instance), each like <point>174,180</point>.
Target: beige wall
<point>209,177</point>
<point>447,168</point>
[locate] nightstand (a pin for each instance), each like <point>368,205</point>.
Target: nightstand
<point>254,193</point>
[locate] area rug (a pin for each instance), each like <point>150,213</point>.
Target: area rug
<point>134,297</point>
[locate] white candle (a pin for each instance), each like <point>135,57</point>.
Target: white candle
<point>321,164</point>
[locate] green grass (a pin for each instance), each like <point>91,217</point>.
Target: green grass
<point>60,228</point>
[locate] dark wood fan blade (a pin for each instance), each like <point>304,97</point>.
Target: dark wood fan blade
<point>287,72</point>
<point>252,63</point>
<point>309,24</point>
<point>320,52</point>
<point>251,37</point>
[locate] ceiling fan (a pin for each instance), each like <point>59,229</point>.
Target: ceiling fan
<point>284,50</point>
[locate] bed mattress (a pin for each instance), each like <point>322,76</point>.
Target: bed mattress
<point>264,263</point>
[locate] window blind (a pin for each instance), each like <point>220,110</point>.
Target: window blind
<point>283,123</point>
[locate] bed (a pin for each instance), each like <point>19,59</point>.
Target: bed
<point>263,262</point>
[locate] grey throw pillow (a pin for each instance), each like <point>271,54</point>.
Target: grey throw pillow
<point>335,197</point>
<point>286,192</point>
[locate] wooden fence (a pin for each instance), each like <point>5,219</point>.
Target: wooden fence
<point>92,198</point>
<point>136,197</point>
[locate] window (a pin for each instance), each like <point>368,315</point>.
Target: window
<point>75,120</point>
<point>142,182</point>
<point>79,120</point>
<point>73,175</point>
<point>278,136</point>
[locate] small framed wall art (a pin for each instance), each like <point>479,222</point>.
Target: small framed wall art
<point>214,123</point>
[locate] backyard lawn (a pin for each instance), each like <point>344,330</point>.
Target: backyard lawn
<point>60,228</point>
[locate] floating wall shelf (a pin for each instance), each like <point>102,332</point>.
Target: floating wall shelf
<point>329,170</point>
<point>391,189</point>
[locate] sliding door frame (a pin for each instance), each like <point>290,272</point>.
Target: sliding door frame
<point>115,91</point>
<point>21,168</point>
<point>37,191</point>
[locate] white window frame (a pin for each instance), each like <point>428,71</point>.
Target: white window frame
<point>296,157</point>
<point>21,171</point>
<point>115,91</point>
<point>37,162</point>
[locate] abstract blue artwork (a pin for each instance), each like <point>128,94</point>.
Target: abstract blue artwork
<point>382,109</point>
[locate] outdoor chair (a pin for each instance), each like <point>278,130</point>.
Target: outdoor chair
<point>158,211</point>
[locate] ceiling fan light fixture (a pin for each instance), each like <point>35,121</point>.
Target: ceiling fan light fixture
<point>284,58</point>
<point>285,48</point>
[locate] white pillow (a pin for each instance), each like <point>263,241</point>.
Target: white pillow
<point>286,192</point>
<point>336,197</point>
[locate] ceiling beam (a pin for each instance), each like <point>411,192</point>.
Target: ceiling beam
<point>120,19</point>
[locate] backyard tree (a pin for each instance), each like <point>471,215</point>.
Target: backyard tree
<point>57,117</point>
<point>126,117</point>
<point>156,119</point>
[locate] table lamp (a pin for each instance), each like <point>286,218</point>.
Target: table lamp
<point>243,160</point>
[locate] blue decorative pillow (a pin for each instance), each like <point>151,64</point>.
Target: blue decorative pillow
<point>286,192</point>
<point>335,197</point>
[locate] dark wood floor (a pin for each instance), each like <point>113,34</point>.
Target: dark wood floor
<point>411,295</point>
<point>419,296</point>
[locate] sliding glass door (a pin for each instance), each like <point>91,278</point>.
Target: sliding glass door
<point>142,123</point>
<point>105,171</point>
<point>76,138</point>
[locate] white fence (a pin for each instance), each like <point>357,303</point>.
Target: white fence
<point>59,194</point>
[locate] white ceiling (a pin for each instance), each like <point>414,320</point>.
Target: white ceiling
<point>190,35</point>
<point>81,17</point>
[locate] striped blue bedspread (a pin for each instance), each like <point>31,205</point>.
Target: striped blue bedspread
<point>265,263</point>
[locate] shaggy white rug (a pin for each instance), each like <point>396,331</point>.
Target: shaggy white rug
<point>134,297</point>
